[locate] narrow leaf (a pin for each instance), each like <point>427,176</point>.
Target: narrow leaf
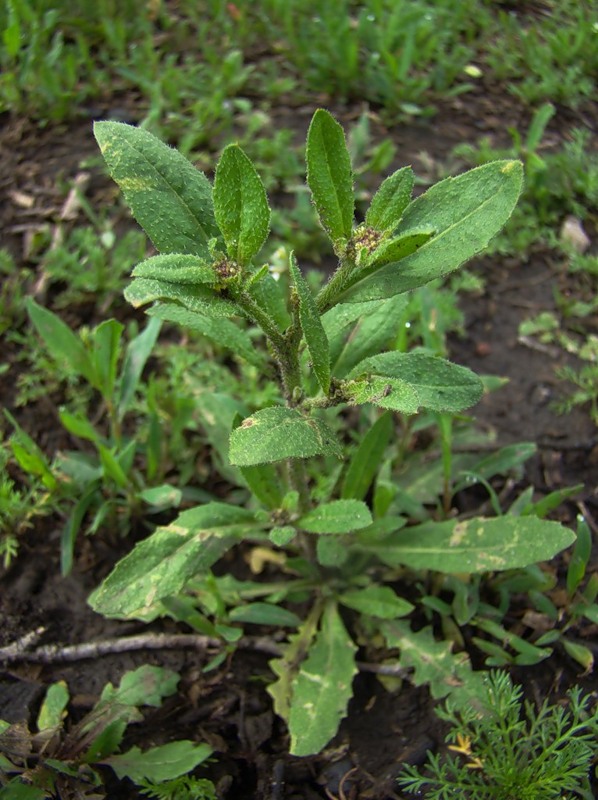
<point>276,433</point>
<point>329,175</point>
<point>53,709</point>
<point>162,564</point>
<point>264,482</point>
<point>338,516</point>
<point>65,347</point>
<point>169,197</point>
<point>366,460</point>
<point>106,342</point>
<point>358,330</point>
<point>136,355</point>
<point>265,614</point>
<point>466,212</point>
<point>311,325</point>
<point>240,205</point>
<point>323,687</point>
<point>407,381</point>
<point>196,298</point>
<point>218,329</point>
<point>475,545</point>
<point>389,202</point>
<point>176,268</point>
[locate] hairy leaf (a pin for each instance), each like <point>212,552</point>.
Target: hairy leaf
<point>338,516</point>
<point>407,381</point>
<point>323,687</point>
<point>311,325</point>
<point>169,197</point>
<point>162,763</point>
<point>466,212</point>
<point>195,298</point>
<point>240,205</point>
<point>329,175</point>
<point>475,545</point>
<point>276,433</point>
<point>389,202</point>
<point>176,268</point>
<point>162,564</point>
<point>218,329</point>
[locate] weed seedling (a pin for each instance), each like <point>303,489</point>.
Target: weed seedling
<point>320,449</point>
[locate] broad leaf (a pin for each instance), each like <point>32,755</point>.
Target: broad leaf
<point>367,458</point>
<point>162,763</point>
<point>65,347</point>
<point>329,175</point>
<point>389,202</point>
<point>218,329</point>
<point>376,601</point>
<point>240,205</point>
<point>338,516</point>
<point>195,298</point>
<point>169,197</point>
<point>466,212</point>
<point>277,433</point>
<point>176,268</point>
<point>162,564</point>
<point>475,545</point>
<point>145,686</point>
<point>407,382</point>
<point>311,325</point>
<point>323,687</point>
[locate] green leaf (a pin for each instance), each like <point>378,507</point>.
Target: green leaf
<point>367,458</point>
<point>338,516</point>
<point>162,564</point>
<point>358,330</point>
<point>112,467</point>
<point>240,205</point>
<point>408,381</point>
<point>311,325</point>
<point>136,355</point>
<point>52,711</point>
<point>264,483</point>
<point>79,425</point>
<point>145,686</point>
<point>390,251</point>
<point>161,763</point>
<point>106,342</point>
<point>265,614</point>
<point>65,347</point>
<point>475,545</point>
<point>376,601</point>
<point>176,268</point>
<point>286,668</point>
<point>331,551</point>
<point>196,298</point>
<point>29,456</point>
<point>16,790</point>
<point>165,496</point>
<point>466,212</point>
<point>329,175</point>
<point>323,687</point>
<point>389,202</point>
<point>219,330</point>
<point>169,197</point>
<point>434,663</point>
<point>276,433</point>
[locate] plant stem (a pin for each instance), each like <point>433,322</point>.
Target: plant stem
<point>340,281</point>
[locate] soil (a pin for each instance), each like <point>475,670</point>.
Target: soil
<point>229,707</point>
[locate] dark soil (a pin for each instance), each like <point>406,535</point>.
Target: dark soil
<point>229,707</point>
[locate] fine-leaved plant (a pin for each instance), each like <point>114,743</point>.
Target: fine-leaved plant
<point>322,457</point>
